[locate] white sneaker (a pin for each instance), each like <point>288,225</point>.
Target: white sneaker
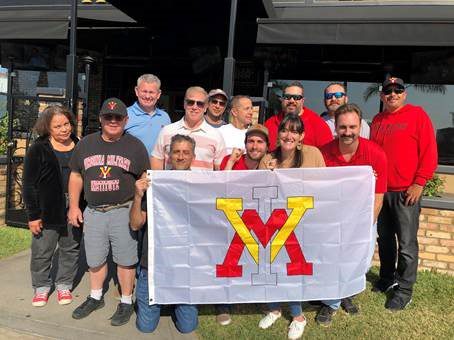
<point>269,319</point>
<point>296,329</point>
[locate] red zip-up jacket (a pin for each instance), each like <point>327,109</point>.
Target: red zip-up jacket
<point>316,131</point>
<point>408,139</point>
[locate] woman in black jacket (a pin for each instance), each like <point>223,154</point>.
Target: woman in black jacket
<point>45,192</point>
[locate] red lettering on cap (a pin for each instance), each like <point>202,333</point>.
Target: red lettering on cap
<point>111,105</point>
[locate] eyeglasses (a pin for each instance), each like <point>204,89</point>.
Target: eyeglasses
<point>390,90</point>
<point>190,102</point>
<point>109,117</point>
<point>218,102</point>
<point>337,95</point>
<point>288,96</point>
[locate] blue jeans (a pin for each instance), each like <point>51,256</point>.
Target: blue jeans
<point>334,304</point>
<point>295,307</point>
<point>184,316</point>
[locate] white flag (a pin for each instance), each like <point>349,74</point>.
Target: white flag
<point>259,236</point>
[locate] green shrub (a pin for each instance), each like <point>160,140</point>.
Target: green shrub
<point>434,187</point>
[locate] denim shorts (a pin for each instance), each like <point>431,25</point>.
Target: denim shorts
<point>105,229</point>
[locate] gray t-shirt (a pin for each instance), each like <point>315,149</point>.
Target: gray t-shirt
<point>109,169</point>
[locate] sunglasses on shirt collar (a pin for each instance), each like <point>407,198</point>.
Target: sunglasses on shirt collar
<point>336,95</point>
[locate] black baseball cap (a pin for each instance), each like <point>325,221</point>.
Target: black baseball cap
<point>398,82</point>
<point>113,106</point>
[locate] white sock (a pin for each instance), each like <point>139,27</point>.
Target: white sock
<point>96,294</point>
<point>126,299</point>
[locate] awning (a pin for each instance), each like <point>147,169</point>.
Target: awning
<point>49,19</point>
<point>404,25</point>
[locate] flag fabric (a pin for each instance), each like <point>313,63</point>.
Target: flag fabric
<point>259,236</point>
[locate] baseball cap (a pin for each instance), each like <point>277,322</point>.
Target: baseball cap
<point>113,106</point>
<point>258,128</point>
<point>214,92</point>
<point>393,81</point>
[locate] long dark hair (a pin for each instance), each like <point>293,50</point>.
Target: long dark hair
<point>294,123</point>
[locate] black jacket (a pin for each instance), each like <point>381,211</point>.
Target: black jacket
<point>42,185</point>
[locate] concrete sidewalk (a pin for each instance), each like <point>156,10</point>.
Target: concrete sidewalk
<point>20,320</point>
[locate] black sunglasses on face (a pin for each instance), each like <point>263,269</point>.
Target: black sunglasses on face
<point>390,90</point>
<point>288,96</point>
<point>109,117</point>
<point>218,102</point>
<point>190,102</point>
<point>337,95</point>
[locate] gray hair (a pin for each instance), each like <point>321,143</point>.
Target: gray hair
<point>236,100</point>
<point>149,78</point>
<point>197,89</point>
<point>182,138</point>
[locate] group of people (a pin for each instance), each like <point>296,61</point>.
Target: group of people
<point>98,185</point>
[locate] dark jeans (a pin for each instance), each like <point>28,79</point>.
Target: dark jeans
<point>43,250</point>
<point>401,221</point>
<point>184,316</point>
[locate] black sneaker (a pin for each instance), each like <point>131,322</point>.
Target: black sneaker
<point>397,303</point>
<point>89,305</point>
<point>122,314</point>
<point>383,286</point>
<point>325,316</point>
<point>348,306</point>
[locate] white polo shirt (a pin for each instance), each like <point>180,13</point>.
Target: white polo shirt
<point>209,144</point>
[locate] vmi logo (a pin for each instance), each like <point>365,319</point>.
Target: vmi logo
<point>264,255</point>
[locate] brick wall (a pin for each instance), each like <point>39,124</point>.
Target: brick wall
<point>436,241</point>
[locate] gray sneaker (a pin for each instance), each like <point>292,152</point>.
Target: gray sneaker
<point>122,314</point>
<point>88,306</point>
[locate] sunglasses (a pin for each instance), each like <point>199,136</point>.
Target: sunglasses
<point>288,96</point>
<point>390,90</point>
<point>336,95</point>
<point>218,102</point>
<point>109,117</point>
<point>190,102</point>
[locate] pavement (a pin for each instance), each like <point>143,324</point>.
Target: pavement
<point>20,320</point>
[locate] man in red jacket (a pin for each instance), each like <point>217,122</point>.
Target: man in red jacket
<point>406,134</point>
<point>316,132</point>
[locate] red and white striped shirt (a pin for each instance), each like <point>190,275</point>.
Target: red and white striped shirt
<point>209,144</point>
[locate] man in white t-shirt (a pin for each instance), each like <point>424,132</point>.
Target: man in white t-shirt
<point>235,132</point>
